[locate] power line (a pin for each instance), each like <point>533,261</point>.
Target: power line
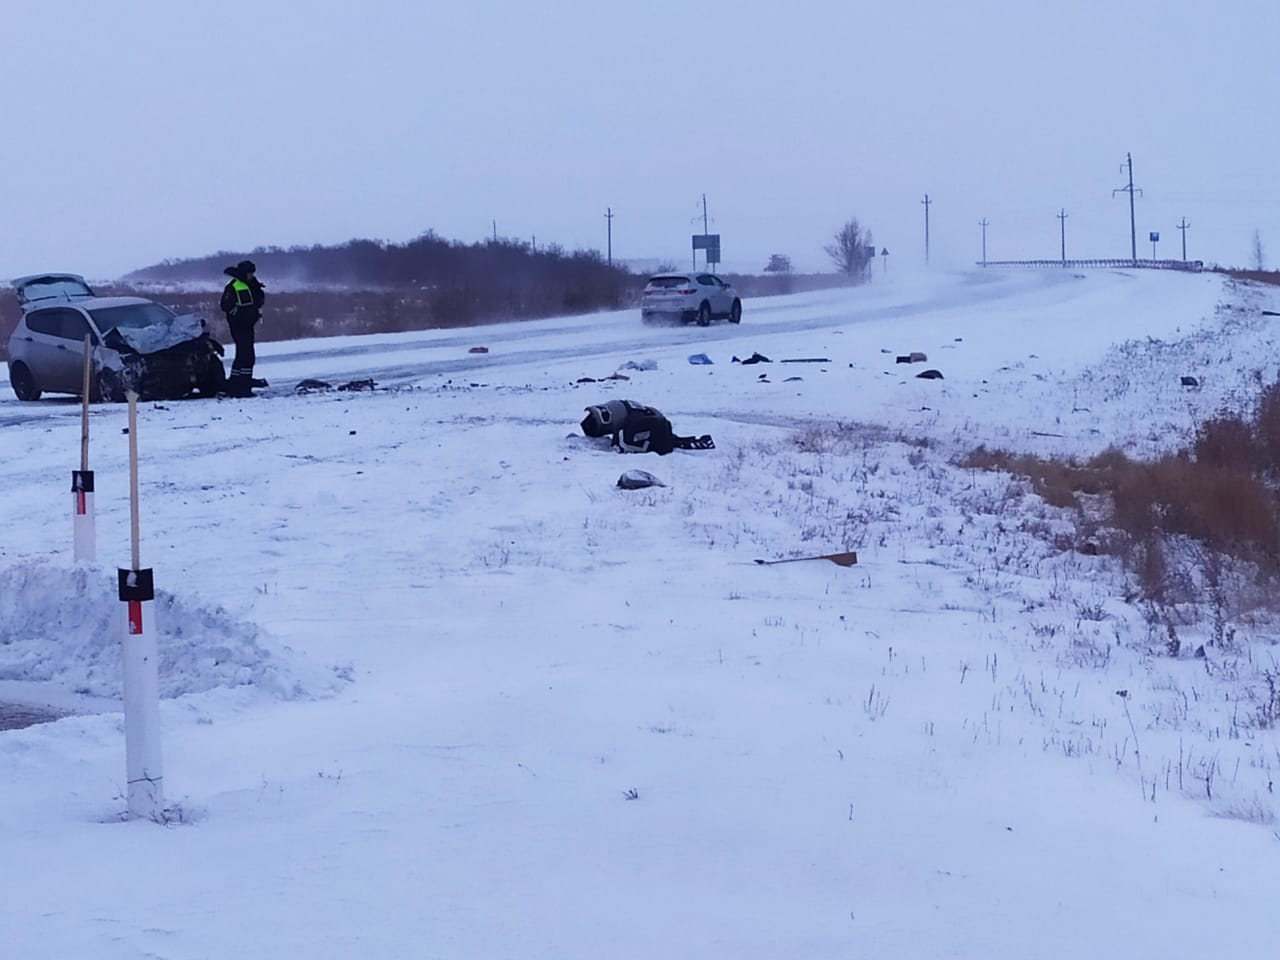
<point>705,233</point>
<point>609,217</point>
<point>1133,228</point>
<point>926,201</point>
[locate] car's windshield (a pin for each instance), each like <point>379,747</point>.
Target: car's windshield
<point>131,316</point>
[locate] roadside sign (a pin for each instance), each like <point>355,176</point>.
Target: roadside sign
<point>709,242</point>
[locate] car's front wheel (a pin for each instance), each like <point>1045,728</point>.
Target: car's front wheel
<point>735,312</point>
<point>23,382</point>
<point>704,314</point>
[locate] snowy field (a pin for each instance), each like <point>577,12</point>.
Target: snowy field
<point>435,687</point>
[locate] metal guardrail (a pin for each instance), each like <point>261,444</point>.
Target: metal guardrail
<point>1189,266</point>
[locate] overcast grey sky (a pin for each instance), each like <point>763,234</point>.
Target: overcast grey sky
<point>141,130</point>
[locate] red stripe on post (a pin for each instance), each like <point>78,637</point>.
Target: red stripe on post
<point>135,618</point>
<point>81,507</point>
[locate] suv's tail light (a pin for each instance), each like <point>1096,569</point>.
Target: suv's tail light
<point>689,292</point>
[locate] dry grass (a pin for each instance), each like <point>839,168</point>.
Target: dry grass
<point>1222,493</point>
<point>1258,276</point>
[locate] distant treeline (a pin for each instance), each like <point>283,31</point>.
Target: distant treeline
<point>458,283</point>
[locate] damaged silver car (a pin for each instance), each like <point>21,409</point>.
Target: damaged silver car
<point>136,344</point>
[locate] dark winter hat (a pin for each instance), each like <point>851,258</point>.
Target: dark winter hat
<point>247,266</point>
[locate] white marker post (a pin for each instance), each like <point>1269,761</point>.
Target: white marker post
<point>84,539</point>
<point>141,665</point>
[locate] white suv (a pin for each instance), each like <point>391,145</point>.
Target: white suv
<point>689,296</point>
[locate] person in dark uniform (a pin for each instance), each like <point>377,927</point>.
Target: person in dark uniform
<point>242,300</point>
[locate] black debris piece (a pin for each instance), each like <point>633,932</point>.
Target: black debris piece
<point>929,375</point>
<point>754,358</point>
<point>1190,382</point>
<point>358,385</point>
<point>636,428</point>
<point>638,480</point>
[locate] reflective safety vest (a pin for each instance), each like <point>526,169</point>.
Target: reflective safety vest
<point>244,296</point>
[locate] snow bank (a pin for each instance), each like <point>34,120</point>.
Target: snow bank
<point>64,625</point>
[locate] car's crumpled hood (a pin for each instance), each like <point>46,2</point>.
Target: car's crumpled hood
<point>157,336</point>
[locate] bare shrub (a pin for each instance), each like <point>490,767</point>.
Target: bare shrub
<point>1267,716</point>
<point>1226,441</point>
<point>1267,428</point>
<point>1216,500</point>
<point>1224,507</point>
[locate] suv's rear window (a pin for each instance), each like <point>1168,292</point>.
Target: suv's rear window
<point>669,283</point>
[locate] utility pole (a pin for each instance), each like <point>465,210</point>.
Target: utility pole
<point>1183,227</point>
<point>926,201</point>
<point>1133,228</point>
<point>706,229</point>
<point>609,217</point>
<point>495,231</point>
<point>1062,218</point>
<point>983,224</point>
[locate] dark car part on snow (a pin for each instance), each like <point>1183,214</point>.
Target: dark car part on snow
<point>839,559</point>
<point>635,428</point>
<point>638,480</point>
<point>320,386</point>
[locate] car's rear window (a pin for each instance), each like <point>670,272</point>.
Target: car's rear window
<point>131,316</point>
<point>54,288</point>
<point>669,283</point>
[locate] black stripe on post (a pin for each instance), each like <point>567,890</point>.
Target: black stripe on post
<point>136,585</point>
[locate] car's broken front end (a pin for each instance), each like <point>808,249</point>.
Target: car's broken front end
<point>161,361</point>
